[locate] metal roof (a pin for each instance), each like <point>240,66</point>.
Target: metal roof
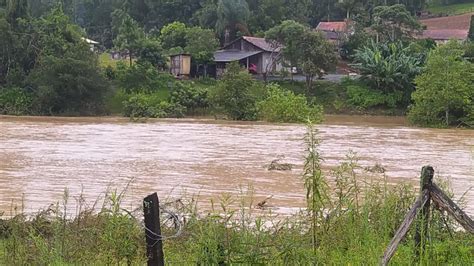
<point>233,55</point>
<point>263,44</point>
<point>260,43</point>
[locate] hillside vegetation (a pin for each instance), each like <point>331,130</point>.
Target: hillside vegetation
<point>453,9</point>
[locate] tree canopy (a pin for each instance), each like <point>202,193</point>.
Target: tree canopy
<point>444,93</point>
<point>304,47</point>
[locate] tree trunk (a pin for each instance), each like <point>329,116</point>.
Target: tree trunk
<point>205,70</point>
<point>309,82</point>
<point>130,57</point>
<point>447,116</point>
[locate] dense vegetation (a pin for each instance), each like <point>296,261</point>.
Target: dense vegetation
<point>238,17</point>
<point>351,223</point>
<point>47,67</point>
<point>445,90</point>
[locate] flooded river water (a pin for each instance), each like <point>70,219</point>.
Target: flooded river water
<point>41,156</point>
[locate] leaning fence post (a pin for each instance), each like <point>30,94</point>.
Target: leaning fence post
<point>427,173</point>
<point>154,250</point>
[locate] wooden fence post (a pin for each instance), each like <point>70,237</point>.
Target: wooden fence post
<point>403,229</point>
<point>428,191</point>
<point>154,250</point>
<point>427,173</point>
<point>443,202</point>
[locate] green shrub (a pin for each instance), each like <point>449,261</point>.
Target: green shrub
<point>237,94</point>
<point>68,86</point>
<point>142,105</point>
<point>142,77</point>
<point>15,101</point>
<point>189,96</point>
<point>284,106</point>
<point>363,97</point>
<point>360,96</point>
<point>115,101</point>
<point>444,94</point>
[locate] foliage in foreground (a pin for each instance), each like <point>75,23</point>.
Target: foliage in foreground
<point>351,223</point>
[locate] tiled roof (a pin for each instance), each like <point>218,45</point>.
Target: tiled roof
<point>337,26</point>
<point>444,34</point>
<point>261,43</point>
<point>232,55</point>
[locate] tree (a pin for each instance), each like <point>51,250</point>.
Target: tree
<point>68,85</point>
<point>350,6</point>
<point>232,16</point>
<point>173,35</point>
<point>206,16</point>
<point>130,36</point>
<point>390,68</point>
<point>237,93</point>
<point>16,9</point>
<point>394,22</point>
<point>66,77</point>
<point>201,44</point>
<point>298,10</point>
<point>304,48</point>
<point>444,93</point>
<point>265,14</point>
<point>152,52</point>
<point>287,33</point>
<point>318,55</point>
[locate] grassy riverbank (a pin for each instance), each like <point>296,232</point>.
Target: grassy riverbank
<point>356,235</point>
<point>352,214</point>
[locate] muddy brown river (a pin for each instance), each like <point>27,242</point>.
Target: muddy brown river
<point>41,156</point>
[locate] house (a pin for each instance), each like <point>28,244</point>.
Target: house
<point>336,31</point>
<point>441,36</point>
<point>257,55</point>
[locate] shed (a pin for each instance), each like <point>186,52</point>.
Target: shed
<point>180,65</point>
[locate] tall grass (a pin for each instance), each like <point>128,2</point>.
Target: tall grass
<point>350,221</point>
